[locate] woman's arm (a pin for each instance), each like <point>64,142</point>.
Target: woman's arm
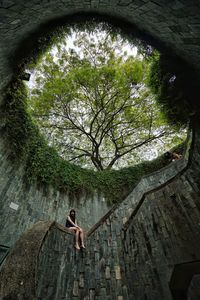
<point>77,225</point>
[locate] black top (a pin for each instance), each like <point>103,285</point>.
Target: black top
<point>68,224</point>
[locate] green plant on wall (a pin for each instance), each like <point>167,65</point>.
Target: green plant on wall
<point>175,85</point>
<point>91,102</point>
<point>43,164</point>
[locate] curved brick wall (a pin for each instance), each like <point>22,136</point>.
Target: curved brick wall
<point>174,24</point>
<point>134,248</point>
<point>132,252</point>
<point>133,258</point>
<point>39,203</point>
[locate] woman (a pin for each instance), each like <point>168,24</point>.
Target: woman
<point>72,225</point>
<point>172,156</point>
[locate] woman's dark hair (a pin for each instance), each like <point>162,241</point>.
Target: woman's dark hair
<point>168,155</point>
<point>72,215</point>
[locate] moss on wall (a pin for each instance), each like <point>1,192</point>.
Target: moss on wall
<point>176,86</point>
<point>43,164</point>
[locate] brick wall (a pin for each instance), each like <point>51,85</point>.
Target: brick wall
<point>22,206</point>
<point>173,24</point>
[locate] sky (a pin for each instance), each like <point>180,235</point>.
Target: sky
<point>127,47</point>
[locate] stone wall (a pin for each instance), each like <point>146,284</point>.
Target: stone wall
<point>18,274</point>
<point>131,252</point>
<point>173,24</point>
<point>21,206</point>
<point>194,290</point>
<point>164,232</point>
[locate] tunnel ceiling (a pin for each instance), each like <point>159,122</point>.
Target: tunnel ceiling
<point>174,24</point>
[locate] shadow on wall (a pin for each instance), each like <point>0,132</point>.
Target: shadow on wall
<point>3,253</point>
<point>183,281</point>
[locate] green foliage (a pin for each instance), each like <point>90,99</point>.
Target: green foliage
<point>17,124</point>
<point>42,162</point>
<point>92,103</point>
<point>41,44</point>
<point>176,87</point>
<point>44,165</point>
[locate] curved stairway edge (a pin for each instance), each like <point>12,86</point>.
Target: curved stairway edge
<point>17,276</point>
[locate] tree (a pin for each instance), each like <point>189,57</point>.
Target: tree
<point>92,103</point>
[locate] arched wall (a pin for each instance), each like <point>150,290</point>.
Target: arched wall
<point>21,206</point>
<point>172,25</point>
<point>131,252</point>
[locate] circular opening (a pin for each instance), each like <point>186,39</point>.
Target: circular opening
<point>43,162</point>
<point>90,96</point>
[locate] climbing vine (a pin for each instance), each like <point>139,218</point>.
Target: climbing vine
<point>43,164</point>
<point>175,85</point>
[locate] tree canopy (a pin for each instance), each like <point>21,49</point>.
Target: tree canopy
<point>92,102</point>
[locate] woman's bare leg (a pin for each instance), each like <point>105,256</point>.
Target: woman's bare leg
<point>76,231</point>
<point>77,240</point>
<point>82,238</point>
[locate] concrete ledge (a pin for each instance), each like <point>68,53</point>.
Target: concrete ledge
<point>18,275</point>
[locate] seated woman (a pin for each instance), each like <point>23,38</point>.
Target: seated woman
<point>172,156</point>
<point>176,156</point>
<point>72,225</point>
